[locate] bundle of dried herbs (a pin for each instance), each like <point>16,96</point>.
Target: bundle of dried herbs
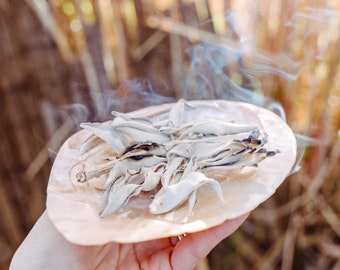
<point>170,154</point>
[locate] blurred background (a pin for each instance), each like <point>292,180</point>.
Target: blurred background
<point>67,61</point>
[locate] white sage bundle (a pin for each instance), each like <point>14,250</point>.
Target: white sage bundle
<point>167,170</point>
<point>170,154</point>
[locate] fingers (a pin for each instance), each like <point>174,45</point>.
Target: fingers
<point>194,247</point>
<point>45,248</point>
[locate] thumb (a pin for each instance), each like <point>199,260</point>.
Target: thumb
<point>194,247</point>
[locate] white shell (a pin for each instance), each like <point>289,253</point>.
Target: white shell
<point>73,207</point>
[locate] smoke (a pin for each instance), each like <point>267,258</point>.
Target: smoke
<point>318,17</point>
<point>131,95</point>
<point>230,71</point>
<point>323,24</point>
<point>215,67</point>
<point>77,113</point>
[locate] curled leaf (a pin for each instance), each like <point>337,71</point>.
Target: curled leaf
<point>174,195</point>
<point>217,128</point>
<point>118,196</point>
<point>108,134</point>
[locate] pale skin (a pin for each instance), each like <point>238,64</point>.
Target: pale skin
<point>46,248</point>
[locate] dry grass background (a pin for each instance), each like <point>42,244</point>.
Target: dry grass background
<point>61,60</point>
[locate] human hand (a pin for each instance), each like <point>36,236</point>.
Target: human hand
<point>46,248</point>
